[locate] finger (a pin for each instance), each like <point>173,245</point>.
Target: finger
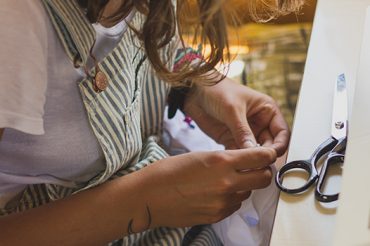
<point>270,118</point>
<point>280,132</point>
<point>281,142</point>
<point>236,197</point>
<point>252,158</point>
<point>227,140</point>
<point>253,179</point>
<point>265,138</point>
<point>230,145</point>
<point>261,120</point>
<point>241,131</point>
<point>242,195</point>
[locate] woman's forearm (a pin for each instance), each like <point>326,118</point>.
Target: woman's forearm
<point>92,217</point>
<point>178,191</point>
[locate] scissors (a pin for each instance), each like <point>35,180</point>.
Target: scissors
<point>331,149</point>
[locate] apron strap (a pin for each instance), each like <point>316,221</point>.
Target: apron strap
<point>74,30</point>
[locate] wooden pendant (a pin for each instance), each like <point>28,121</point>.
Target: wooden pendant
<point>100,81</point>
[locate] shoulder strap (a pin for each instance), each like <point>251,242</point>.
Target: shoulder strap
<point>74,30</point>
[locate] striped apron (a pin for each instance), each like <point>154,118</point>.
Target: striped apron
<point>126,117</point>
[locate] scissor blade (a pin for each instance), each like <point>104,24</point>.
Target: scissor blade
<point>340,108</point>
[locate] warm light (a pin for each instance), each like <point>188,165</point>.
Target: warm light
<point>234,49</point>
<point>239,49</point>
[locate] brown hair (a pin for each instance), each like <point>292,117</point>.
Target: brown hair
<point>266,10</point>
<point>207,24</point>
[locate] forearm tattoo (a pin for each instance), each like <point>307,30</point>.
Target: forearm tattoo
<point>131,222</point>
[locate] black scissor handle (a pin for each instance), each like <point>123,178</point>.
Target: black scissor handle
<point>305,165</point>
<point>334,158</point>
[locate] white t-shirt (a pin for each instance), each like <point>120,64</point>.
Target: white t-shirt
<point>47,138</point>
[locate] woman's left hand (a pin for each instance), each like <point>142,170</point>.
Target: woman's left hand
<point>237,116</point>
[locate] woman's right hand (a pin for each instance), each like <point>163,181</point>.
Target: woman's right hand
<point>204,187</point>
<point>184,190</point>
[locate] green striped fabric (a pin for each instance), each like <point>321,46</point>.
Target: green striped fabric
<point>126,118</point>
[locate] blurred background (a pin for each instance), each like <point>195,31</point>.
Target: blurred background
<point>270,57</point>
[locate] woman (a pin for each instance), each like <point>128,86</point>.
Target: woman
<point>81,109</point>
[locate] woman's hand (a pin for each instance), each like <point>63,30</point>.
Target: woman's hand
<point>237,116</point>
<point>204,187</point>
